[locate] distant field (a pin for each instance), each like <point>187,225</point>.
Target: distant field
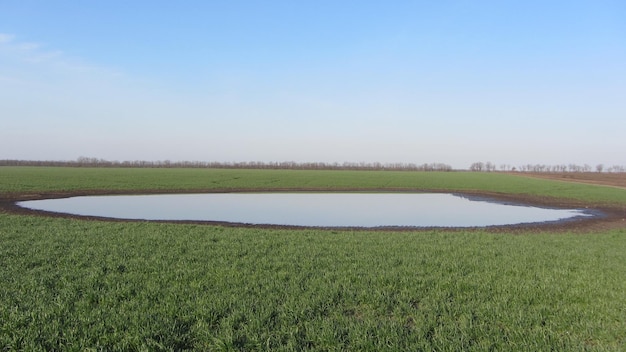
<point>24,180</point>
<point>72,284</point>
<point>597,178</point>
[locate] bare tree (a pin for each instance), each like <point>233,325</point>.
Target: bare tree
<point>477,166</point>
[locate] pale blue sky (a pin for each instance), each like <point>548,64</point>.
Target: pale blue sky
<point>512,82</point>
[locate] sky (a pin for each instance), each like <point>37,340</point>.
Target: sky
<point>454,82</point>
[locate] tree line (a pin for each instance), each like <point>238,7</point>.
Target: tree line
<point>559,168</point>
<point>96,162</point>
<point>372,166</point>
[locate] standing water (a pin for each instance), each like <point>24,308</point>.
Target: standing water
<point>310,209</point>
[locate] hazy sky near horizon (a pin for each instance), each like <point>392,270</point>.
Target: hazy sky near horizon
<point>511,82</point>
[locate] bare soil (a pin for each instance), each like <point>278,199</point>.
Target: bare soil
<point>595,178</point>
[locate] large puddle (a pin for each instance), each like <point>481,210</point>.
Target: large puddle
<point>311,209</point>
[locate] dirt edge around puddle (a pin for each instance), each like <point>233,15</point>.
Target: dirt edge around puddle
<point>607,216</point>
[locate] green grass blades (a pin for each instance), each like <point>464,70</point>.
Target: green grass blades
<point>80,285</point>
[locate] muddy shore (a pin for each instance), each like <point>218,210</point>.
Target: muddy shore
<point>612,217</point>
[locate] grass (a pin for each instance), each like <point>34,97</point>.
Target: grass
<point>50,179</point>
<point>91,285</point>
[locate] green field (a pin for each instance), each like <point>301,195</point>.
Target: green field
<point>48,179</point>
<point>92,285</point>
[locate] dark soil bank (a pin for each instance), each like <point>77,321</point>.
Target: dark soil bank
<point>606,217</point>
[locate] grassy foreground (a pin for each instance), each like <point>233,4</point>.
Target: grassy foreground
<point>82,285</point>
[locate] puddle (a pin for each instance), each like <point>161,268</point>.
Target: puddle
<point>311,209</point>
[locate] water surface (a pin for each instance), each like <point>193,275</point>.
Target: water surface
<point>310,209</point>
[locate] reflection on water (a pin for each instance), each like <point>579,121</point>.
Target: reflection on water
<point>309,209</point>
